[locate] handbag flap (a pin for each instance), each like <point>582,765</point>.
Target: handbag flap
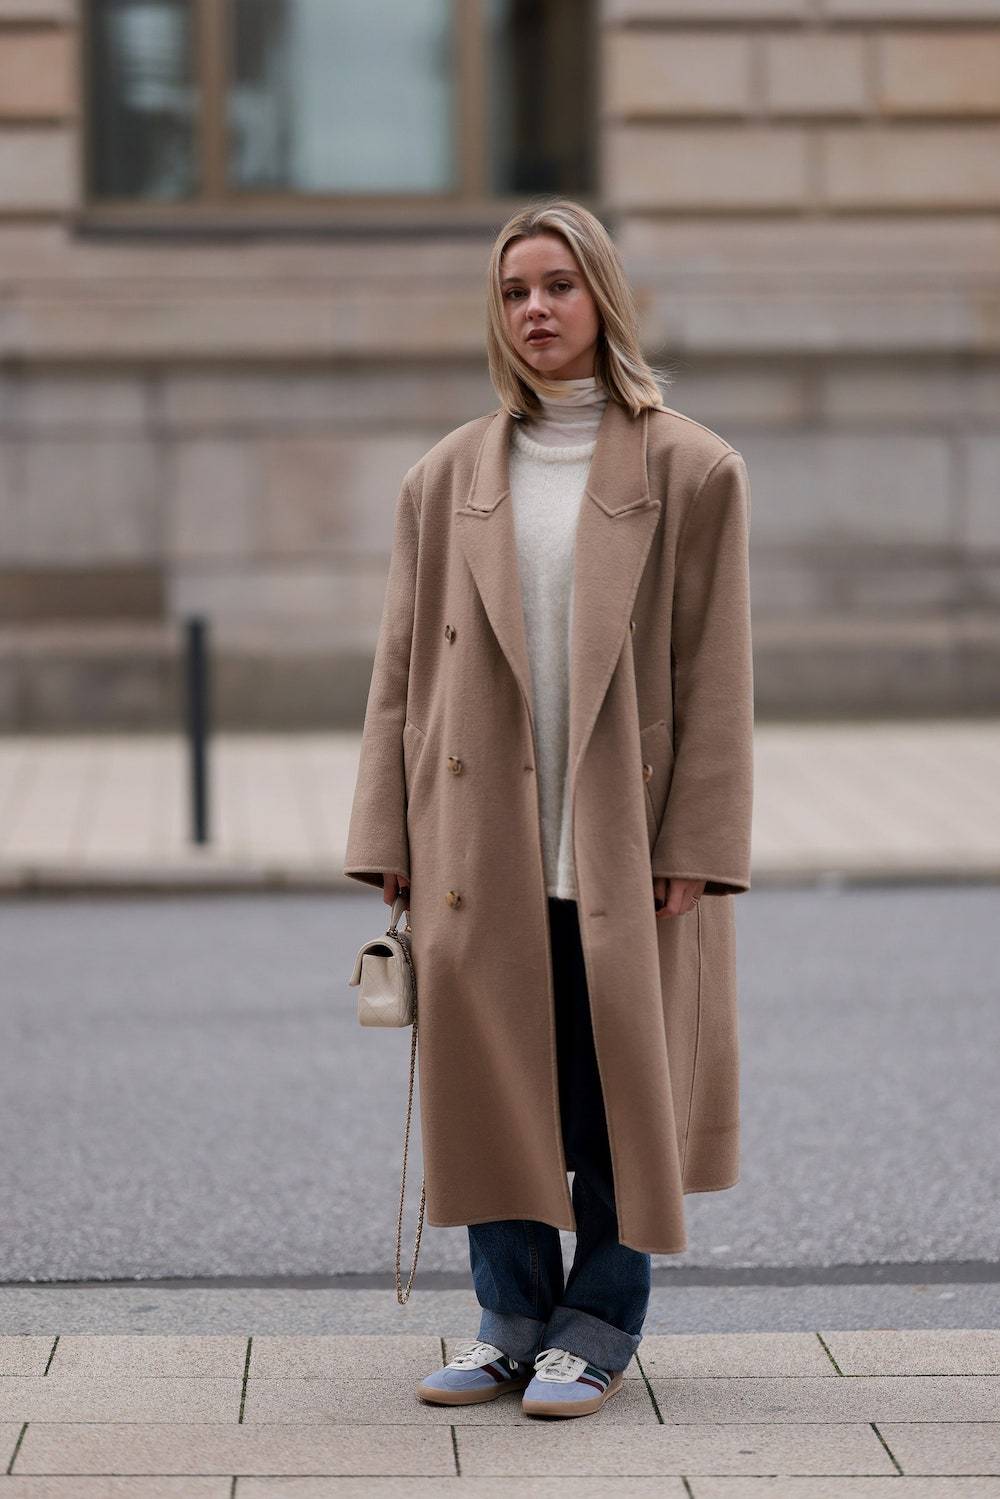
<point>387,947</point>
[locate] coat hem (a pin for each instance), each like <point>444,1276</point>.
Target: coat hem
<point>569,1227</point>
<point>719,1187</point>
<point>654,1248</point>
<point>497,1218</point>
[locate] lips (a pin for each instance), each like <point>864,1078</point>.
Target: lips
<point>541,338</point>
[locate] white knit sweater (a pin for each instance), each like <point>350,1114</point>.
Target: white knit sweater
<point>550,458</point>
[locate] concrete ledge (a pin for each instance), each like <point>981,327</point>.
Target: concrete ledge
<point>109,677</point>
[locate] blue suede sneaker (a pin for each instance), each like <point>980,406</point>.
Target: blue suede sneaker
<point>566,1385</point>
<point>482,1372</point>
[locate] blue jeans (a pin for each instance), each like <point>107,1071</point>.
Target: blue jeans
<point>527,1303</point>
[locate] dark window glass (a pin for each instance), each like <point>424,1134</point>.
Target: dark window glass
<point>542,95</point>
<point>342,96</point>
<point>143,99</point>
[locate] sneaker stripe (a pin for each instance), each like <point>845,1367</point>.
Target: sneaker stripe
<point>595,1384</point>
<point>601,1374</point>
<point>500,1374</point>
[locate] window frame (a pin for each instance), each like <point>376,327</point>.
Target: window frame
<point>218,206</point>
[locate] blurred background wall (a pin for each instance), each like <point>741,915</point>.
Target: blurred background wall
<point>242,251</point>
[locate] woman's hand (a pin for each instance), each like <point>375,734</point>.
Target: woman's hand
<point>683,896</point>
<point>393,885</point>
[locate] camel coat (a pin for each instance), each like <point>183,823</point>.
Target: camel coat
<point>660,767</point>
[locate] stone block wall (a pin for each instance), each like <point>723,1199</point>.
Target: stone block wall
<point>806,196</point>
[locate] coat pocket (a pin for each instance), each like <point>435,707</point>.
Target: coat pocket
<point>414,744</point>
<point>657,746</point>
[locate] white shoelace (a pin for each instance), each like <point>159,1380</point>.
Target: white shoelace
<point>558,1365</point>
<point>478,1354</point>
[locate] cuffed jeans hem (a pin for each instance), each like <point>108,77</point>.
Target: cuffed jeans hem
<point>519,1337</point>
<point>588,1337</point>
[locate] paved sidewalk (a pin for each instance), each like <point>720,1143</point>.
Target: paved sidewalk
<point>870,800</point>
<point>809,1415</point>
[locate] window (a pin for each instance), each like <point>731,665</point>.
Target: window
<point>143,126</point>
<point>269,102</point>
<point>341,98</point>
<point>541,98</point>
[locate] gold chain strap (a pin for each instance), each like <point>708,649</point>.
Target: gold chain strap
<point>402,1296</point>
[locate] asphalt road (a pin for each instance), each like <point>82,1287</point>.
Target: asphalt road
<point>186,1091</point>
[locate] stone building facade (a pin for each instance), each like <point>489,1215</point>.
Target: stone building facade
<point>206,406</point>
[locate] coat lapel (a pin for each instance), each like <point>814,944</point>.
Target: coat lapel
<point>618,519</point>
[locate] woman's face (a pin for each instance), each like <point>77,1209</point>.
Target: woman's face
<point>552,318</point>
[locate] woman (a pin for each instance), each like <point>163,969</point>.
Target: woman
<point>556,770</point>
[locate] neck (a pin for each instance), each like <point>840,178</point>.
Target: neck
<point>572,416</point>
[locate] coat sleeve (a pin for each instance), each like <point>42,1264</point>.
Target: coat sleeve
<point>706,826</point>
<point>377,838</point>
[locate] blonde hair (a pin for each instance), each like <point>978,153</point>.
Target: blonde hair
<point>619,364</point>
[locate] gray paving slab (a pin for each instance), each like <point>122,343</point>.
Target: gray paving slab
<point>299,1451</point>
<point>402,1355</point>
<point>593,1447</point>
<point>460,1488</point>
<point>913,1351</point>
<point>816,1430</point>
<point>729,1355</point>
<point>858,1398</point>
<point>393,1401</point>
<point>193,1357</point>
<point>115,1488</point>
<point>80,1397</point>
<point>844,1488</point>
<point>944,1447</point>
<point>24,1354</point>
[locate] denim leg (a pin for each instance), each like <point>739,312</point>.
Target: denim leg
<point>604,1305</point>
<point>518,1275</point>
<point>600,1313</point>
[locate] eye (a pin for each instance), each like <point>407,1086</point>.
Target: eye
<point>564,283</point>
<point>513,292</point>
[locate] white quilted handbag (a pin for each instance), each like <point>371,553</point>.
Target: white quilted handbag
<point>383,974</point>
<point>387,995</point>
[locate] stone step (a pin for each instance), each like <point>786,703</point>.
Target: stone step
<point>97,674</point>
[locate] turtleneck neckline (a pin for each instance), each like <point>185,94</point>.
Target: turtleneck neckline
<point>569,419</point>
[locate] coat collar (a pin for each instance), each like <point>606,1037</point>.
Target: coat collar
<point>617,480</point>
<point>618,518</point>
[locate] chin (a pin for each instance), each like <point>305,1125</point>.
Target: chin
<point>551,367</point>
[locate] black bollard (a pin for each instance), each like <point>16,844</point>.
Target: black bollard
<point>196,671</point>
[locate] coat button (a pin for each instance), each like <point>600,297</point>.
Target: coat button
<point>449,633</point>
<point>454,765</point>
<point>647,772</point>
<point>631,625</point>
<point>453,898</point>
